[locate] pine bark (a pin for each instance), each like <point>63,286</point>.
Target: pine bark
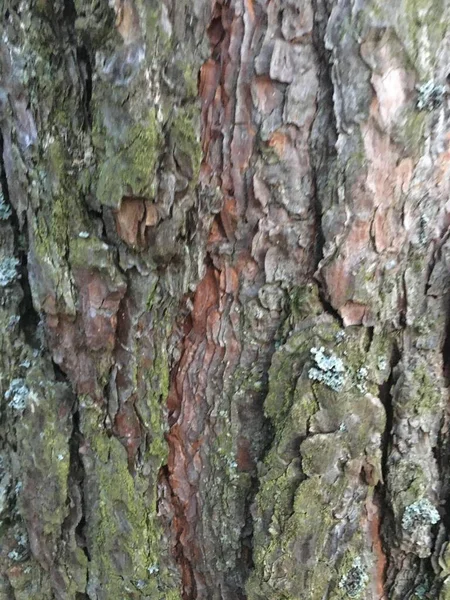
<point>224,292</point>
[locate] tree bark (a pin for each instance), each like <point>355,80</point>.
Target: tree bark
<point>224,284</point>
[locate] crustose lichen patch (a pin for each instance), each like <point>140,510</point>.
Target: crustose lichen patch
<point>329,369</point>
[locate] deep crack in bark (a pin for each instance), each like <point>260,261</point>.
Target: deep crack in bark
<point>386,517</point>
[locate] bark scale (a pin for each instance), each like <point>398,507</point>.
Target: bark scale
<point>224,272</point>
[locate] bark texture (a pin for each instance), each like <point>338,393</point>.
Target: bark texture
<point>224,299</point>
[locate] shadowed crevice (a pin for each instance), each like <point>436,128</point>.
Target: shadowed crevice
<point>323,147</point>
<point>29,319</point>
<point>381,496</point>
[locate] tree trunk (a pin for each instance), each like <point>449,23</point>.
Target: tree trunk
<point>224,279</point>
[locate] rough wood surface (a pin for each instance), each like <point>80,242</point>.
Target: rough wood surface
<point>224,299</point>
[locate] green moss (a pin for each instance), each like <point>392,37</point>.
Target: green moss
<point>426,394</point>
<point>420,20</point>
<point>156,37</point>
<point>90,252</point>
<point>307,527</point>
<point>410,131</point>
<point>173,595</point>
<point>94,253</point>
<point>48,446</point>
<point>123,534</point>
<point>311,510</point>
<point>185,133</point>
<point>158,390</point>
<point>303,303</point>
<point>131,169</point>
<point>191,81</point>
<point>63,214</point>
<point>445,591</point>
<point>44,455</point>
<point>27,582</point>
<point>150,405</point>
<point>59,215</point>
<point>300,492</point>
<point>287,365</point>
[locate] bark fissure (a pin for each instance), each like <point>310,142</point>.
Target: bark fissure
<point>77,475</point>
<point>29,319</point>
<point>323,147</point>
<point>386,521</point>
<point>386,397</point>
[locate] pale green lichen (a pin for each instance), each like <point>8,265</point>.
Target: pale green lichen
<point>422,590</point>
<point>361,379</point>
<point>430,96</point>
<point>8,271</point>
<point>21,552</point>
<point>417,522</point>
<point>355,580</point>
<point>17,394</point>
<point>329,369</point>
<point>340,336</point>
<point>418,514</point>
<point>17,556</point>
<point>382,363</point>
<point>5,209</point>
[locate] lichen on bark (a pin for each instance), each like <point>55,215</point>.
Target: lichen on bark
<point>224,299</point>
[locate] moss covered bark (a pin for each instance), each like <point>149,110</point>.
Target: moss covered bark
<point>224,300</point>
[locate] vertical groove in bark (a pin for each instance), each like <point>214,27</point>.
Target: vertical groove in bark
<point>385,519</point>
<point>216,299</point>
<point>255,263</point>
<point>439,560</point>
<point>29,372</point>
<point>323,134</point>
<point>101,127</point>
<point>77,476</point>
<point>189,397</point>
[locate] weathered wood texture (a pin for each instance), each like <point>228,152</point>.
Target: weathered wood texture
<point>224,285</point>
